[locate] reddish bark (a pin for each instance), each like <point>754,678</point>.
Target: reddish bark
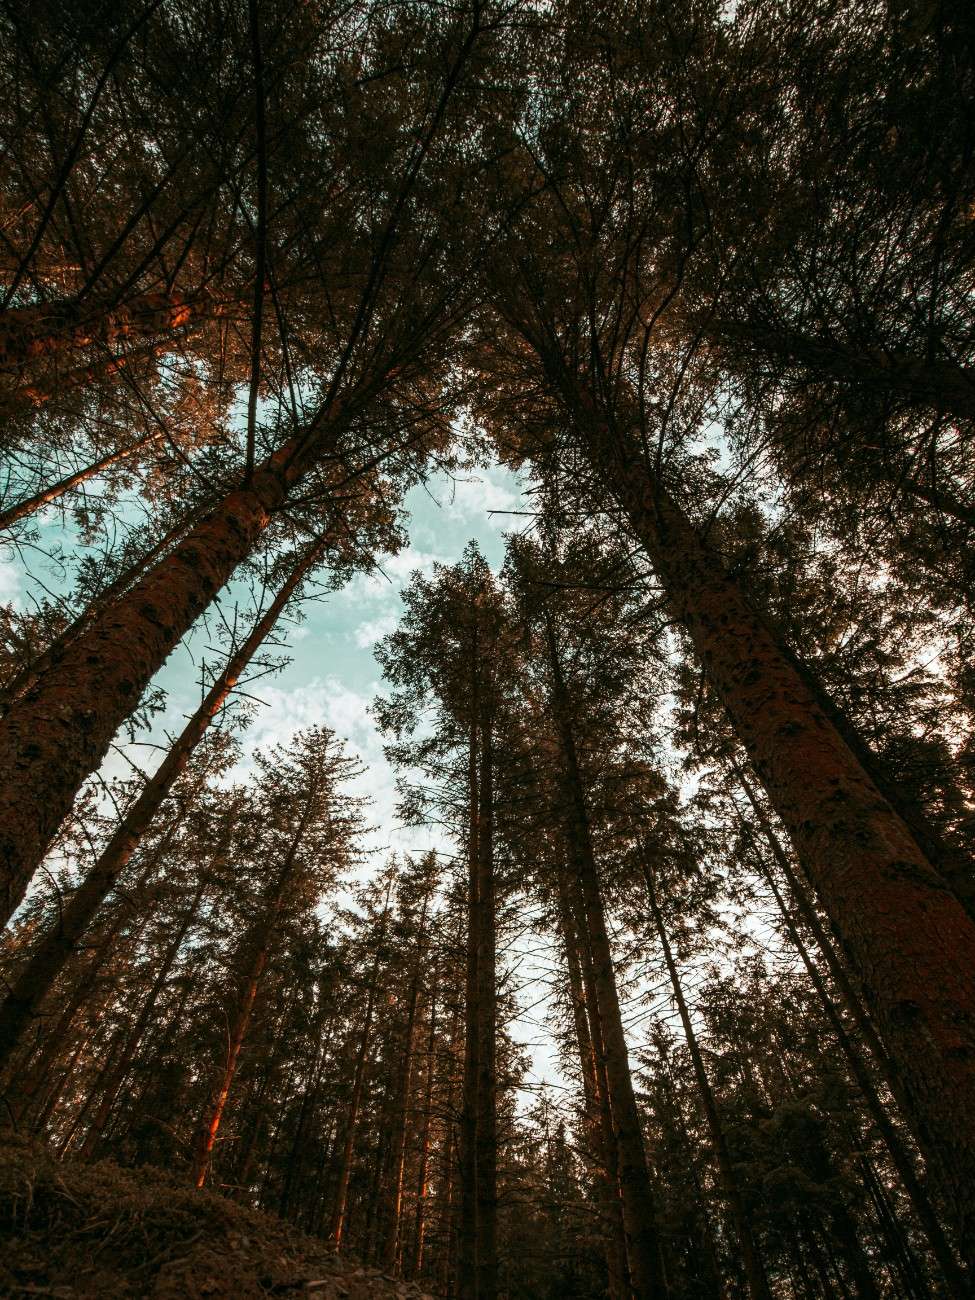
<point>54,948</point>
<point>28,334</point>
<point>58,732</point>
<point>910,937</point>
<point>40,499</point>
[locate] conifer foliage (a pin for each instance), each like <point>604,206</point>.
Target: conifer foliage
<point>662,986</point>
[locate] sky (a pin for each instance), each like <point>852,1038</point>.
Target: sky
<point>333,678</point>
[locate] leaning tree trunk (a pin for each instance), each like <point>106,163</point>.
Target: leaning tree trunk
<point>54,948</point>
<point>259,946</point>
<point>58,732</point>
<point>901,1159</point>
<point>910,937</point>
<point>31,505</point>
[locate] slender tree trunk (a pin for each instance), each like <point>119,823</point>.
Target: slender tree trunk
<point>639,1212</point>
<point>599,1119</point>
<point>31,504</point>
<point>487,1012</point>
<point>207,1134</point>
<point>420,1218</point>
<point>392,1246</point>
<point>54,948</point>
<point>911,940</point>
<point>758,1287</point>
<point>259,945</point>
<point>340,1204</point>
<point>467,1156</point>
<point>27,1081</point>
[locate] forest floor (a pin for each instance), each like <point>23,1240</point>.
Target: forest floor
<point>70,1230</point>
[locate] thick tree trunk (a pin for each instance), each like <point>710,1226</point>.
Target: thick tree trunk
<point>639,1212</point>
<point>910,937</point>
<point>955,1280</point>
<point>58,732</point>
<point>54,651</point>
<point>53,948</point>
<point>758,1287</point>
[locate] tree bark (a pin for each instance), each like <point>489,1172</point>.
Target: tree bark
<point>487,1012</point>
<point>339,1207</point>
<point>599,1119</point>
<point>58,732</point>
<point>912,941</point>
<point>639,1211</point>
<point>53,948</point>
<point>44,497</point>
<point>258,945</point>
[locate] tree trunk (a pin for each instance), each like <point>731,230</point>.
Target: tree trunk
<point>53,949</point>
<point>57,734</point>
<point>391,1252</point>
<point>259,945</point>
<point>599,1119</point>
<point>910,937</point>
<point>46,495</point>
<point>487,1012</point>
<point>955,1279</point>
<point>339,1207</point>
<point>420,1220</point>
<point>758,1287</point>
<point>467,1144</point>
<point>639,1212</point>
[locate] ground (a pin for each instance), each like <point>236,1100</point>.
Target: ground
<point>77,1231</point>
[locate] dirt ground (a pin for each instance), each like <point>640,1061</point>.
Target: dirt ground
<point>78,1231</point>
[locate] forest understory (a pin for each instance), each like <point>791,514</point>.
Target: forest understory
<point>487,649</point>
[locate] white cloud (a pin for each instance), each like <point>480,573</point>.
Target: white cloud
<point>396,572</point>
<point>9,583</point>
<point>373,629</point>
<point>473,498</point>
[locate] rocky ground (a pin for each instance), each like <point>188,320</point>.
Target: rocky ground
<point>76,1231</point>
